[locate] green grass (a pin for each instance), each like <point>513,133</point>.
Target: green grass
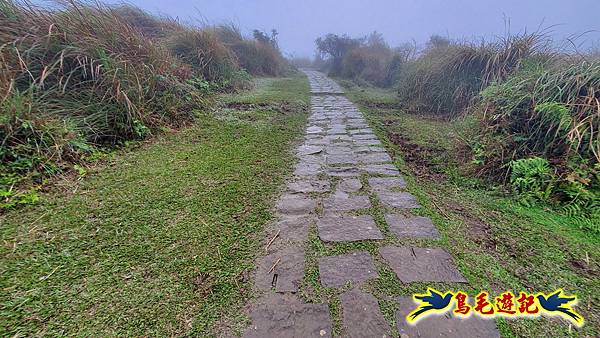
<point>161,240</point>
<point>496,243</point>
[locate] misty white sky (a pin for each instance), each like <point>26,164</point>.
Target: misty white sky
<point>299,22</point>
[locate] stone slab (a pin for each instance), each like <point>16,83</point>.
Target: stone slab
<point>387,183</point>
<point>361,316</point>
<point>360,131</point>
<point>287,273</point>
<point>355,267</point>
<point>343,202</point>
<point>369,150</point>
<point>341,159</point>
<point>349,185</point>
<point>392,199</point>
<point>364,137</point>
<point>309,150</point>
<point>412,227</point>
<point>314,130</point>
<point>309,186</point>
<point>337,150</point>
<point>285,316</point>
<point>337,138</point>
<point>379,157</point>
<point>367,142</point>
<point>343,172</point>
<point>295,205</point>
<point>346,228</point>
<point>294,228</point>
<point>307,169</point>
<point>443,325</point>
<point>421,264</point>
<point>381,169</point>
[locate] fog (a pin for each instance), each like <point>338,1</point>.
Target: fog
<point>299,22</point>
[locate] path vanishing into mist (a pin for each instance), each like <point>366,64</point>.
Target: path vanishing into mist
<point>344,176</point>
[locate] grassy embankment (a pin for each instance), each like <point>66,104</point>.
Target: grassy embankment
<point>498,243</point>
<point>160,240</point>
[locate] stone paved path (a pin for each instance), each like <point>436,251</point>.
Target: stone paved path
<point>340,165</point>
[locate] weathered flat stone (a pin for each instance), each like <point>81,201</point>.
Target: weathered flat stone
<point>336,138</point>
<point>392,199</point>
<point>360,131</point>
<point>309,150</point>
<point>361,316</point>
<point>313,159</point>
<point>307,169</point>
<point>366,149</point>
<point>336,228</point>
<point>314,130</point>
<point>343,202</point>
<point>387,183</point>
<point>336,131</point>
<point>309,186</point>
<point>294,228</point>
<point>367,142</point>
<point>381,169</point>
<point>364,137</point>
<point>295,205</point>
<point>337,150</point>
<point>356,267</point>
<point>341,159</point>
<point>374,158</point>
<point>285,316</point>
<point>443,325</point>
<point>287,273</point>
<point>317,142</point>
<point>343,172</point>
<point>349,185</point>
<point>421,264</point>
<point>413,227</point>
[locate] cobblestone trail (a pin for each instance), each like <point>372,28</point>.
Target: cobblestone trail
<point>339,155</point>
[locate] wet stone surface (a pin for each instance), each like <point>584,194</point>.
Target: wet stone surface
<point>421,264</point>
<point>282,271</point>
<point>413,227</point>
<point>309,186</point>
<point>361,316</point>
<point>307,169</point>
<point>374,158</point>
<point>343,172</point>
<point>341,159</point>
<point>444,325</point>
<point>294,228</point>
<point>381,169</point>
<point>356,267</point>
<point>367,142</point>
<point>349,185</point>
<point>284,316</point>
<point>344,202</point>
<point>337,228</point>
<point>295,205</point>
<point>359,150</point>
<point>387,183</point>
<point>309,150</point>
<point>401,200</point>
<point>338,150</point>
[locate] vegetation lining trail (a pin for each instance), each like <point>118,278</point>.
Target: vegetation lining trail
<point>498,243</point>
<point>160,242</point>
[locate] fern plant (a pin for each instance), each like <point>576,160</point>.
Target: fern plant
<point>532,179</point>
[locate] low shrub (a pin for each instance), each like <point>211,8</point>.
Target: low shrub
<point>447,76</point>
<point>549,110</point>
<point>258,56</point>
